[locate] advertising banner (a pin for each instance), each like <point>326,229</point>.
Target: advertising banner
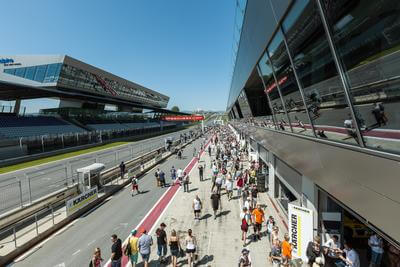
<point>81,200</point>
<point>300,230</point>
<point>184,118</point>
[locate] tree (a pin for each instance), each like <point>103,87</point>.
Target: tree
<point>175,108</point>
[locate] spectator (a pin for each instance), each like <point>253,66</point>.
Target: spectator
<point>175,247</point>
<point>352,259</point>
<point>185,182</point>
<point>201,171</point>
<point>157,176</point>
<point>215,202</point>
<point>190,242</point>
<point>332,250</point>
<point>173,174</point>
<point>197,205</point>
<point>145,243</point>
<point>135,185</point>
<point>161,242</point>
<point>275,256</point>
<point>122,168</point>
<point>245,216</point>
<point>161,177</point>
<point>218,184</point>
<point>258,219</point>
<point>270,226</point>
<point>244,260</point>
<point>376,244</point>
<point>286,251</point>
<point>239,185</point>
<point>314,253</point>
<point>229,188</point>
<point>179,174</point>
<point>116,251</point>
<point>96,259</point>
<point>134,248</point>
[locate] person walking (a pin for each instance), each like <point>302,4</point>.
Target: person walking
<point>215,202</point>
<point>244,260</point>
<point>96,258</point>
<point>161,177</point>
<point>245,216</point>
<point>201,171</point>
<point>270,226</point>
<point>185,182</point>
<point>229,188</point>
<point>134,248</point>
<point>239,185</point>
<point>191,243</point>
<point>116,251</point>
<point>145,243</point>
<point>122,169</point>
<point>258,219</point>
<point>157,176</point>
<point>161,243</point>
<point>135,185</point>
<point>197,206</point>
<point>218,184</point>
<point>173,174</point>
<point>376,244</point>
<point>174,247</point>
<point>179,174</point>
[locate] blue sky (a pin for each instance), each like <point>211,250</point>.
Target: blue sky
<point>181,48</point>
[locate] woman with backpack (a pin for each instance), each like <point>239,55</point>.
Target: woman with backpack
<point>245,217</point>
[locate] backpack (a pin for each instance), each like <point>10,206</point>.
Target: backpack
<point>245,225</point>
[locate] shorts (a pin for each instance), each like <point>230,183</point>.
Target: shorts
<point>188,250</point>
<point>135,187</point>
<point>134,257</point>
<point>197,211</point>
<point>145,257</point>
<point>257,227</point>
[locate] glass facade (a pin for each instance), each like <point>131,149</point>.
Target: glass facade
<point>84,80</point>
<point>48,73</point>
<point>366,35</point>
<point>244,105</point>
<point>344,56</point>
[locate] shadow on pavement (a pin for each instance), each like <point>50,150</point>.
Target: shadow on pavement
<point>193,189</point>
<point>223,213</point>
<point>206,216</point>
<point>206,259</point>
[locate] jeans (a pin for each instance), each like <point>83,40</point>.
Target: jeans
<point>376,258</point>
<point>116,263</point>
<point>161,250</point>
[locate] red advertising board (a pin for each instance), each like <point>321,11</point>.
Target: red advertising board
<point>184,118</point>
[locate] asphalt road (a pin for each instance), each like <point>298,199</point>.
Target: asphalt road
<point>119,215</point>
<point>50,177</point>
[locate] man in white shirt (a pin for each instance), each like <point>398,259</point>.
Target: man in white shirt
<point>332,249</point>
<point>376,244</point>
<point>179,174</point>
<point>352,259</point>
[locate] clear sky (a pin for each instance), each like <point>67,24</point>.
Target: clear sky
<point>181,48</point>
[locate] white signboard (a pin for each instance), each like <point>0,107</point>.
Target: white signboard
<point>300,230</point>
<point>81,200</point>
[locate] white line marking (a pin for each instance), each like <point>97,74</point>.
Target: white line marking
<point>76,252</point>
<point>91,242</point>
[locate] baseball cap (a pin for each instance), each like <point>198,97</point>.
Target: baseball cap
<point>245,251</point>
<point>133,232</point>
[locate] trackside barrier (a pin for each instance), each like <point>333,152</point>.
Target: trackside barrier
<point>49,212</point>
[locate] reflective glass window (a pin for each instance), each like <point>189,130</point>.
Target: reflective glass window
<point>52,73</point>
<point>367,38</point>
<point>40,73</point>
<point>20,72</point>
<point>30,73</point>
<point>9,71</point>
<point>317,73</point>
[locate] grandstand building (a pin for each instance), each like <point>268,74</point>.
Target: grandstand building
<point>81,118</point>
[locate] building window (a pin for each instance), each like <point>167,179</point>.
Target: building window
<point>40,73</point>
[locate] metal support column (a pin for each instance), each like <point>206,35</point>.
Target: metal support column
<point>341,72</point>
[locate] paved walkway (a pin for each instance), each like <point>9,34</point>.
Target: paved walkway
<point>219,240</point>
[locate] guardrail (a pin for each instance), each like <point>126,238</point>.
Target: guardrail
<point>38,224</point>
